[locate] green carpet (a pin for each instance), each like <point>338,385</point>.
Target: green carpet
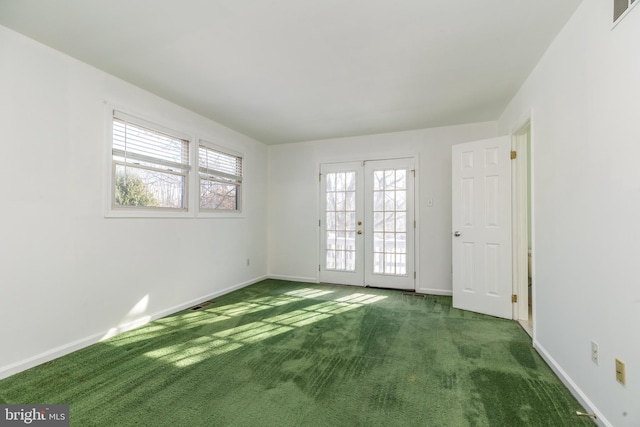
<point>294,354</point>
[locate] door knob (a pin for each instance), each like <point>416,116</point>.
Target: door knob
<point>359,231</point>
<point>457,234</point>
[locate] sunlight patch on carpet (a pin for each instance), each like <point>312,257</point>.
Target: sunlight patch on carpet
<point>198,349</point>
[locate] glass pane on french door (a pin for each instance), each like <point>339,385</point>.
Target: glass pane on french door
<point>390,222</point>
<point>366,210</point>
<point>341,221</point>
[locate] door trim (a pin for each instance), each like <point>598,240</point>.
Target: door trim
<point>522,205</point>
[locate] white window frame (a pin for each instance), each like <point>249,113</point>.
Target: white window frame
<point>112,211</point>
<point>222,213</point>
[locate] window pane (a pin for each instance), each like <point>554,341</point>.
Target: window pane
<point>378,242</point>
<point>148,188</point>
<point>389,200</point>
<point>389,263</point>
<point>340,184</point>
<point>389,242</point>
<point>220,179</point>
<point>331,201</point>
<point>401,200</point>
<point>331,260</point>
<point>351,241</point>
<point>351,261</point>
<point>401,222</point>
<point>340,221</point>
<point>350,201</point>
<point>218,196</point>
<point>331,221</point>
<point>378,221</point>
<point>351,221</point>
<point>401,243</point>
<point>401,264</point>
<point>378,201</point>
<point>331,240</point>
<point>340,260</point>
<point>389,221</point>
<point>378,180</point>
<point>389,180</point>
<point>401,179</point>
<point>351,181</point>
<point>331,182</point>
<point>378,263</point>
<point>340,201</point>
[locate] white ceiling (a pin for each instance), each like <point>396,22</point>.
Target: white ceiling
<point>295,70</point>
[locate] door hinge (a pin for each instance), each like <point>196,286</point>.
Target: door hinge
<point>318,267</point>
<point>414,223</point>
<point>513,155</point>
<point>514,298</point>
<point>414,275</point>
<point>319,177</point>
<point>319,224</point>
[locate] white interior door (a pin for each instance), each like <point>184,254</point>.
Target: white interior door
<point>481,199</point>
<point>367,223</point>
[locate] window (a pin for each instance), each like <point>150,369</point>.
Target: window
<point>620,7</point>
<point>150,166</point>
<point>220,177</point>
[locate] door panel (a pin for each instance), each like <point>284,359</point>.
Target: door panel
<point>367,223</point>
<point>341,200</point>
<point>389,224</point>
<point>481,207</point>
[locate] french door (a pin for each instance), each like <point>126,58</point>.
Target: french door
<point>367,223</point>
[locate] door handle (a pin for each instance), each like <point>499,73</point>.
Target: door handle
<point>457,233</point>
<point>359,231</point>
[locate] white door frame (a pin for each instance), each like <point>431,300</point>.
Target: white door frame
<point>522,136</point>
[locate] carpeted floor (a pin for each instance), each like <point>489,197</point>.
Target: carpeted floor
<point>294,354</point>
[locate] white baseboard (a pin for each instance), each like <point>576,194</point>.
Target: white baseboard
<point>23,365</point>
<point>294,278</point>
<point>429,291</point>
<point>572,386</point>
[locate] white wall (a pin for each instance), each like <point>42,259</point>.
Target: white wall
<point>68,276</point>
<point>585,98</point>
<point>294,197</point>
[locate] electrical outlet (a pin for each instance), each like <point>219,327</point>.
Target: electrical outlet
<point>621,375</point>
<point>595,353</point>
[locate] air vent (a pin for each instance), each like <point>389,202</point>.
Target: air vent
<point>199,306</point>
<point>620,8</point>
<point>414,294</point>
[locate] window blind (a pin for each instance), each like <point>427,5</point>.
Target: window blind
<point>135,143</point>
<point>223,167</point>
